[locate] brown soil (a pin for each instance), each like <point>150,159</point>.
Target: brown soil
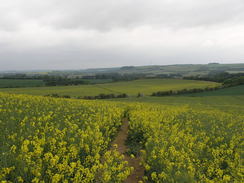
<point>138,172</point>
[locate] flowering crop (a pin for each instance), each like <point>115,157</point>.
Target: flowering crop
<point>181,144</point>
<point>45,139</point>
<point>56,140</point>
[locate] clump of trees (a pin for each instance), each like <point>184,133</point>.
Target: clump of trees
<point>140,95</point>
<point>234,81</point>
<point>184,91</point>
<point>55,95</point>
<point>115,76</point>
<point>100,96</point>
<point>106,96</point>
<point>64,82</point>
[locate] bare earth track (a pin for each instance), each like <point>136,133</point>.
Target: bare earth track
<point>138,172</point>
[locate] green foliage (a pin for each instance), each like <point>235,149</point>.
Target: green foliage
<point>223,77</point>
<point>184,91</point>
<point>106,96</point>
<point>235,81</point>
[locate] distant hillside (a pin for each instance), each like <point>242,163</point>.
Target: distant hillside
<point>182,69</point>
<point>179,70</point>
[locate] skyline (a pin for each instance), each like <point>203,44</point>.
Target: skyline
<point>117,67</point>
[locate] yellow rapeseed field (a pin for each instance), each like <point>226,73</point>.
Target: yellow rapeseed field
<point>180,144</point>
<point>56,140</point>
<point>44,139</point>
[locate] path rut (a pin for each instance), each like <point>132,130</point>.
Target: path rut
<point>138,172</point>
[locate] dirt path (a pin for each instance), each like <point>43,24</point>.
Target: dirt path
<point>138,172</point>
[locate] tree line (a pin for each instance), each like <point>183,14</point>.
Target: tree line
<point>183,91</point>
<point>106,96</point>
<point>100,96</point>
<point>65,80</point>
<point>227,79</point>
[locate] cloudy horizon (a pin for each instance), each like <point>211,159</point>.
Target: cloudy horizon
<point>79,34</point>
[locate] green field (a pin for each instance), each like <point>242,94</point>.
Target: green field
<point>225,103</point>
<point>15,83</point>
<point>227,99</point>
<point>132,88</point>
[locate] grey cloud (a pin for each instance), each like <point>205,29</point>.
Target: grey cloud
<point>109,14</point>
<point>42,34</point>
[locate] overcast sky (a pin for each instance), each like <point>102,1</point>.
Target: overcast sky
<point>77,34</point>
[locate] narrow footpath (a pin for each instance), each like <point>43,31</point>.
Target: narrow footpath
<point>138,172</point>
